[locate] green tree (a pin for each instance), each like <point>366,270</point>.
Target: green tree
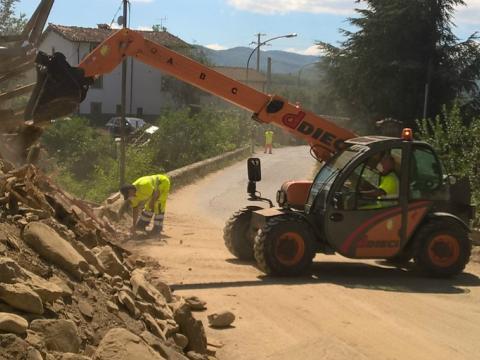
<point>78,147</point>
<point>184,138</point>
<point>184,94</point>
<point>381,69</point>
<point>457,142</point>
<point>9,23</point>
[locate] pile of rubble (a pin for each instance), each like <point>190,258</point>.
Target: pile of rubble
<point>68,290</point>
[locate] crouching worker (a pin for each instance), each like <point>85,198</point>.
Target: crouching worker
<point>150,192</point>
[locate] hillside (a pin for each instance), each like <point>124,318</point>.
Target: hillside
<point>282,62</point>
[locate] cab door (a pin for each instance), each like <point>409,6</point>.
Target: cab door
<point>358,225</point>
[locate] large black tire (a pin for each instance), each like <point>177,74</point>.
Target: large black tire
<point>284,246</point>
<point>442,248</point>
<point>238,239</point>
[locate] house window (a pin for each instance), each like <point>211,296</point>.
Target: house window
<point>140,111</point>
<point>95,108</point>
<point>118,109</point>
<point>93,46</point>
<point>98,83</point>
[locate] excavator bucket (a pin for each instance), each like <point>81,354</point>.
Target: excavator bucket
<point>59,90</point>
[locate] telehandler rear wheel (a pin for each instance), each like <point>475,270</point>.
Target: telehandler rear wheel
<point>237,236</point>
<point>442,248</point>
<point>284,246</point>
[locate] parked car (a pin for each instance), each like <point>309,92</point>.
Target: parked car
<point>131,124</point>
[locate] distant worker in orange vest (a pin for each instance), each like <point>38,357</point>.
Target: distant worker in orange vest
<point>268,141</point>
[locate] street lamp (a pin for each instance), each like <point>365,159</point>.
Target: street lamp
<point>259,44</point>
<point>303,67</point>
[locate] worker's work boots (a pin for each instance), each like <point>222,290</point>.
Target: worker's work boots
<point>141,225</point>
<point>156,230</point>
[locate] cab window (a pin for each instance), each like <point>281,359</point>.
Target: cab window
<point>373,184</point>
<point>426,174</point>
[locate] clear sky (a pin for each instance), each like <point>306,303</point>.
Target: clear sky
<point>222,24</point>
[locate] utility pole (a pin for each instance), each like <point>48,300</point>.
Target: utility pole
<point>259,44</point>
<point>123,144</point>
<point>269,74</point>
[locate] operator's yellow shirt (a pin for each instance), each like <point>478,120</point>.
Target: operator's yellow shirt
<point>268,137</point>
<point>390,184</point>
<point>147,185</point>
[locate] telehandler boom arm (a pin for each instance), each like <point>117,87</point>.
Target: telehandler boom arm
<point>325,137</point>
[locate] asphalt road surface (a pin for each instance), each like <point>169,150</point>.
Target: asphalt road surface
<point>344,309</point>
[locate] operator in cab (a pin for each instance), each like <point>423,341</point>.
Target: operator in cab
<point>389,184</point>
<point>151,192</point>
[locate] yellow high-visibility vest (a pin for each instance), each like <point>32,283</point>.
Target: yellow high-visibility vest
<point>147,185</point>
<point>268,137</point>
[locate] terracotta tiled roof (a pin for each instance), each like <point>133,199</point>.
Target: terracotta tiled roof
<point>96,35</point>
<point>239,73</point>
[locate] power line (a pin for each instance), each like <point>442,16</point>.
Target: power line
<point>114,16</point>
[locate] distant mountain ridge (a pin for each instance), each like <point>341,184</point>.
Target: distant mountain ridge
<point>283,62</point>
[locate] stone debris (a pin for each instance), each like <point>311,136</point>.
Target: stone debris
<point>195,303</point>
<point>221,320</point>
<point>192,328</point>
<point>53,248</point>
<point>58,335</point>
<point>21,297</point>
<point>112,264</point>
<point>11,323</point>
<point>85,308</point>
<point>70,291</point>
<point>121,344</point>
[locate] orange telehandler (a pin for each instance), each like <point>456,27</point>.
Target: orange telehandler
<point>332,214</point>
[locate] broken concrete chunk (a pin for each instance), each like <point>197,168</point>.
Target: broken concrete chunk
<point>181,340</point>
<point>58,335</point>
<point>143,289</point>
<point>192,329</point>
<point>195,303</point>
<point>121,344</point>
<point>85,309</point>
<point>11,323</point>
<point>13,347</point>
<point>89,256</point>
<point>11,272</point>
<point>112,307</point>
<point>125,299</point>
<point>163,288</point>
<point>21,297</point>
<point>222,319</point>
<point>112,264</point>
<point>153,327</point>
<point>52,247</point>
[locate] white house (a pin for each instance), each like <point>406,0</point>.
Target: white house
<point>145,96</point>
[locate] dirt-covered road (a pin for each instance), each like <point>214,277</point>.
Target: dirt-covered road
<point>344,310</point>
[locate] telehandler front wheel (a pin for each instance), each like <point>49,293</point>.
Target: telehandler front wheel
<point>237,235</point>
<point>284,246</point>
<point>442,248</point>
